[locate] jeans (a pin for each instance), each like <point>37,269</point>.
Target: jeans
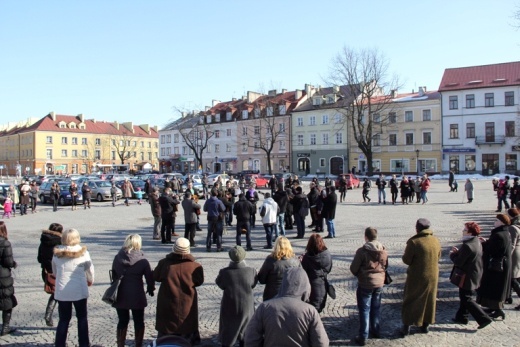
<point>124,318</point>
<point>300,225</point>
<point>369,307</point>
<point>243,225</point>
<point>23,209</point>
<point>381,192</point>
<point>280,230</point>
<point>269,229</point>
<point>424,198</point>
<point>55,203</point>
<point>65,312</point>
<point>214,227</point>
<point>330,227</point>
<point>157,223</point>
<point>503,198</point>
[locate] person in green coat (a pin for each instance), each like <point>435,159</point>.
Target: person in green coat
<point>422,255</point>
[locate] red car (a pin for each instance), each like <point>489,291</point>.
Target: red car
<point>261,181</point>
<point>352,181</point>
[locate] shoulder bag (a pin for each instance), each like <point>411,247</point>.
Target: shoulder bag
<point>331,291</point>
<point>496,264</point>
<point>50,283</point>
<point>457,277</point>
<point>110,295</point>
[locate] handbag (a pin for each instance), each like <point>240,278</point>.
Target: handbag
<point>110,295</point>
<point>496,264</point>
<point>388,278</point>
<point>331,291</point>
<point>50,283</point>
<point>197,211</point>
<point>457,277</point>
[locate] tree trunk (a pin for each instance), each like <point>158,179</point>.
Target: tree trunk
<point>269,168</point>
<point>369,164</point>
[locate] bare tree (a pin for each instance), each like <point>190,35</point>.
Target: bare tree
<point>196,135</point>
<point>124,145</point>
<point>364,73</point>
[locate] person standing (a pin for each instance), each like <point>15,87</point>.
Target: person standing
<point>177,301</point>
<point>205,186</point>
<point>366,190</point>
<point>468,188</point>
<point>73,190</point>
<point>425,186</point>
<point>451,179</point>
<point>273,183</point>
<point>313,196</point>
<point>268,212</point>
<point>148,189</point>
<point>25,197</point>
<point>317,263</point>
<point>503,190</point>
<point>190,207</point>
<point>514,231</point>
<point>215,209</point>
<point>87,195</point>
<point>7,299</point>
<point>381,184</point>
<point>15,197</point>
<point>238,304</point>
<point>342,188</point>
<point>230,196</point>
<point>288,320</point>
<point>329,209</point>
<point>131,264</point>
<point>405,191</point>
<point>281,198</point>
<point>514,196</point>
<point>422,254</point>
<point>34,196</point>
<point>243,210</point>
<point>74,274</point>
<point>417,189</point>
<point>468,259</point>
<point>168,208</point>
<point>369,265</point>
<point>252,196</point>
<point>298,201</point>
<point>49,239</point>
<point>128,191</point>
<point>155,206</point>
<point>113,194</point>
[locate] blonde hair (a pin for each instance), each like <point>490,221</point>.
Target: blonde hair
<point>282,248</point>
<point>70,237</point>
<point>132,242</point>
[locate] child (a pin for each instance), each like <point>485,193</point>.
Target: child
<point>113,192</point>
<point>139,196</point>
<point>8,207</point>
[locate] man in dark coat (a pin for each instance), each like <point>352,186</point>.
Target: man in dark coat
<point>273,183</point>
<point>168,208</point>
<point>298,201</point>
<point>87,195</point>
<point>156,213</point>
<point>190,208</point>
<point>243,210</point>
<point>280,197</point>
<point>252,196</point>
<point>312,196</point>
<point>215,209</point>
<point>451,179</point>
<point>7,299</point>
<point>329,209</point>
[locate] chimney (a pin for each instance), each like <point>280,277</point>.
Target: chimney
<point>80,117</point>
<point>298,94</point>
<point>424,88</point>
<point>244,98</point>
<point>183,114</point>
<point>214,102</point>
<point>145,127</point>
<point>393,93</point>
<point>335,89</point>
<point>129,126</point>
<point>284,91</point>
<point>234,99</point>
<point>155,128</point>
<point>421,91</point>
<point>116,125</point>
<point>53,115</point>
<point>272,92</point>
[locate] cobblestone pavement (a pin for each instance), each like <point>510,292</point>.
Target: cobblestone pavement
<point>103,229</point>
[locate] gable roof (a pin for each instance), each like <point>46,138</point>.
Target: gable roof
<point>483,76</point>
<point>345,97</point>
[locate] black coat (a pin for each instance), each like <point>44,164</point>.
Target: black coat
<point>280,197</point>
<point>243,209</point>
<point>313,196</point>
<point>132,266</point>
<point>86,191</point>
<point>271,274</point>
<point>329,206</point>
<point>168,206</point>
<point>7,298</point>
<point>48,241</point>
<point>317,267</point>
<point>469,260</point>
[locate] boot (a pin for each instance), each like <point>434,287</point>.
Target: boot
<point>48,312</point>
<point>121,337</point>
<point>139,336</point>
<point>6,319</point>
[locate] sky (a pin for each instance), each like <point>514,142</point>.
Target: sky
<point>142,61</point>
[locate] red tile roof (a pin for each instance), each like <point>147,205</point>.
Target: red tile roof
<point>484,76</point>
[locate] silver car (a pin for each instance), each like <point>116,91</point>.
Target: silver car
<point>100,190</point>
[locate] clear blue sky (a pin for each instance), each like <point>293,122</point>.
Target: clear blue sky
<point>135,60</point>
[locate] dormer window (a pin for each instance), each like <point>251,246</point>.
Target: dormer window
<point>217,117</point>
<point>282,109</point>
<point>228,116</point>
<point>257,113</point>
<point>331,98</point>
<point>316,101</point>
<point>81,126</point>
<point>270,111</point>
<point>208,119</point>
<point>244,114</point>
<point>201,120</point>
<point>72,125</point>
<point>62,125</point>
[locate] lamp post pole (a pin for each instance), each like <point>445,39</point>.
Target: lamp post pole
<point>417,161</point>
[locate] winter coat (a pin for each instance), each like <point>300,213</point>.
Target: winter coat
<point>422,254</point>
<point>298,201</point>
<point>189,206</point>
<point>425,185</point>
<point>168,206</point>
<point>494,287</point>
<point>15,196</point>
<point>86,191</point>
<point>214,207</point>
<point>469,260</point>
<point>269,211</point>
<point>417,186</point>
<point>468,187</point>
<point>329,207</point>
<point>7,298</point>
<point>369,265</point>
<point>73,268</point>
<point>271,274</point>
<point>252,197</point>
<point>243,209</point>
<point>155,205</point>
<point>127,189</point>
<point>288,320</point>
<point>405,188</point>
<point>313,197</point>
<point>25,197</point>
<point>238,304</point>
<point>317,267</point>
<point>132,266</point>
<point>281,198</point>
<point>380,183</point>
<point>177,303</point>
<point>48,240</point>
<point>514,231</point>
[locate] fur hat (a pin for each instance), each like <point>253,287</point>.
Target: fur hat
<point>237,254</point>
<point>181,246</point>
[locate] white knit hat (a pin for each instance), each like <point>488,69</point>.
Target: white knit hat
<point>181,246</point>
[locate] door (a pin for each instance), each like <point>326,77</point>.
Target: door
<point>336,165</point>
<point>490,164</point>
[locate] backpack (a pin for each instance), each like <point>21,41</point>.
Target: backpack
<point>304,209</point>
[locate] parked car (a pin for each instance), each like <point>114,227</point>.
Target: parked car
<point>196,185</point>
<point>214,177</point>
<point>170,175</point>
<point>352,181</point>
<point>65,198</point>
<point>100,190</point>
<point>261,180</point>
<point>136,183</point>
<point>196,178</point>
<point>116,177</point>
<point>4,189</point>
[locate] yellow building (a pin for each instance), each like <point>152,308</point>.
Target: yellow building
<point>58,144</point>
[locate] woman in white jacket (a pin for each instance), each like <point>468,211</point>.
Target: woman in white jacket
<point>74,274</point>
<point>269,212</point>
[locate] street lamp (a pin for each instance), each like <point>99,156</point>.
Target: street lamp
<point>417,161</point>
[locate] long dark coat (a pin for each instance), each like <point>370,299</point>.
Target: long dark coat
<point>494,287</point>
<point>422,254</point>
<point>132,266</point>
<point>329,206</point>
<point>271,274</point>
<point>86,191</point>
<point>154,204</point>
<point>317,267</point>
<point>7,298</point>
<point>177,302</point>
<point>469,260</point>
<point>48,240</point>
<point>238,304</point>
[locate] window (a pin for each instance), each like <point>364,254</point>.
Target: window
<point>322,162</point>
<point>83,140</point>
<point>300,140</point>
<point>376,118</point>
<point>454,131</point>
<point>49,153</point>
<point>98,154</point>
<point>257,113</point>
<point>175,139</point>
<point>64,153</point>
<point>281,109</point>
<point>325,119</point>
<point>312,120</point>
<point>175,150</point>
<point>217,148</point>
<point>399,165</point>
<point>256,146</point>
<point>282,145</point>
<point>63,140</point>
<point>228,116</point>
<point>300,121</point>
<point>84,153</point>
<point>338,118</point>
<point>228,132</point>
<point>511,162</point>
<point>74,153</point>
<point>489,99</point>
<point>392,117</point>
<point>339,138</point>
<point>217,117</point>
<point>282,128</point>
<point>228,147</point>
<point>427,138</point>
<point>454,102</point>
<point>257,130</point>
<point>470,101</point>
<point>392,139</point>
<point>244,114</point>
<point>313,139</point>
<point>408,138</point>
<point>169,138</point>
<point>408,116</point>
<point>509,98</point>
<point>325,138</point>
<point>149,155</point>
<point>426,115</point>
<point>208,119</point>
<point>142,142</point>
<point>470,130</point>
<point>49,139</point>
<point>185,150</point>
<point>376,140</point>
<point>510,128</point>
<point>113,154</point>
<point>98,141</point>
<point>74,141</point>
<point>217,134</point>
<point>244,131</point>
<point>163,138</point>
<point>269,111</point>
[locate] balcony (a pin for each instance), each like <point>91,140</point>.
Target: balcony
<point>490,140</point>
